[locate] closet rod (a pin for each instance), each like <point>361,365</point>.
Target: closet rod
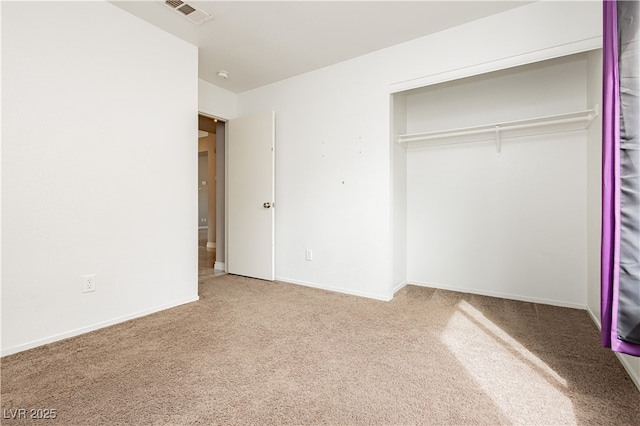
<point>554,120</point>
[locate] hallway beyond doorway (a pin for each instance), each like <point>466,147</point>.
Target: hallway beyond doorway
<point>206,258</point>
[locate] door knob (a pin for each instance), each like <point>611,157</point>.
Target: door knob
<point>266,205</point>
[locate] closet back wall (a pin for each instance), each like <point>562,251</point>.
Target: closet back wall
<point>511,224</point>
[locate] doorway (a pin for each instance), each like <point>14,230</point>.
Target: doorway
<point>241,226</point>
<point>210,196</point>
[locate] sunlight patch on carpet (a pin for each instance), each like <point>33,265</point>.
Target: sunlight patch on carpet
<point>523,387</point>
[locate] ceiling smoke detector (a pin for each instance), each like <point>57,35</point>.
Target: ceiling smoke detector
<point>192,13</point>
<point>223,74</point>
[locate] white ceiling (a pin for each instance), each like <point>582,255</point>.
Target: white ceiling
<point>261,42</point>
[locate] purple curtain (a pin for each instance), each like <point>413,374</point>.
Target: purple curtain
<point>620,296</point>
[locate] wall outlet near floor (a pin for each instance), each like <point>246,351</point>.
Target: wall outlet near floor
<point>88,283</point>
<point>308,254</point>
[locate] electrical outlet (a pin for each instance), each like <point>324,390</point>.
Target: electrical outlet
<point>309,254</point>
<point>88,283</point>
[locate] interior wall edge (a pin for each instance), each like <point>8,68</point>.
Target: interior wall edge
<point>399,287</point>
<point>594,317</point>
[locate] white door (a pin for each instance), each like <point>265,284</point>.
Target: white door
<point>251,192</point>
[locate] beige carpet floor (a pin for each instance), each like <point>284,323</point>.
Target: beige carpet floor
<point>254,352</point>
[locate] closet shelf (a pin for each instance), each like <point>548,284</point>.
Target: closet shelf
<point>534,126</point>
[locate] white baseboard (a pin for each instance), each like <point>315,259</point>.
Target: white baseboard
<point>399,287</point>
<point>375,296</point>
<point>634,375</point>
<point>500,295</point>
<point>93,327</point>
<point>211,245</point>
<point>220,266</point>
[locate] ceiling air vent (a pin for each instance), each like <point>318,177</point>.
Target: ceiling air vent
<point>193,14</point>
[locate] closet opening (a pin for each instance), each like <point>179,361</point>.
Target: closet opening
<point>496,182</point>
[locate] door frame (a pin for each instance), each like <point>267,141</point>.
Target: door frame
<point>225,121</point>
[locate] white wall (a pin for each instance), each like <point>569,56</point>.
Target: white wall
<point>99,160</point>
<point>216,101</point>
<point>332,126</point>
<point>399,192</point>
<point>542,88</point>
<point>511,224</point>
<point>332,170</point>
